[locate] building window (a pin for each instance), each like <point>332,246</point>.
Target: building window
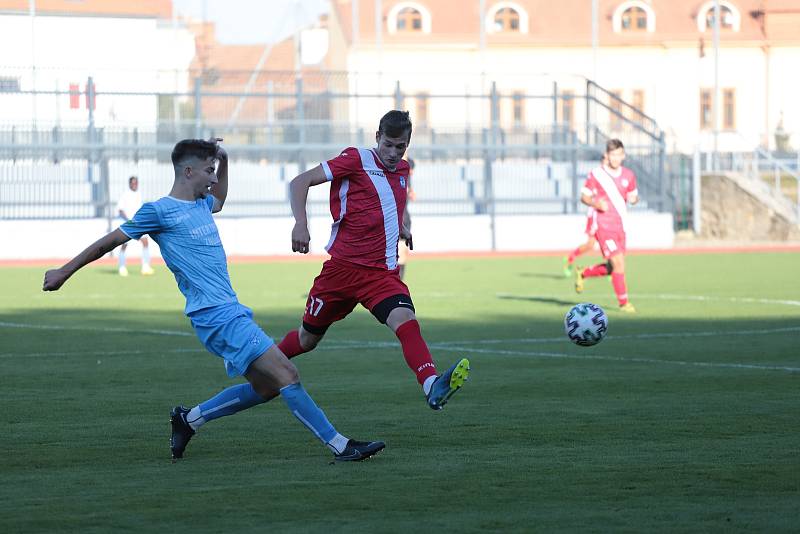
<point>638,99</point>
<point>726,18</point>
<point>518,108</point>
<point>634,16</point>
<point>615,107</point>
<point>706,109</point>
<point>408,17</point>
<point>506,17</point>
<point>9,84</point>
<point>729,109</point>
<point>730,18</point>
<point>506,20</point>
<point>568,108</point>
<point>421,117</point>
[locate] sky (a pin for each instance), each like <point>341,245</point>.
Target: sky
<point>253,21</point>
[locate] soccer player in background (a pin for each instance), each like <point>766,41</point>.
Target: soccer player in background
<point>402,248</point>
<point>129,203</point>
<point>608,189</point>
<point>182,225</point>
<point>367,199</point>
<point>591,241</point>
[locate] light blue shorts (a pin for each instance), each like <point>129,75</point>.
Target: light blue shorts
<point>230,332</point>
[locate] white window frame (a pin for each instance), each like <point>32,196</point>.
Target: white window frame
<point>616,19</point>
<point>702,24</point>
<point>524,20</point>
<point>391,17</point>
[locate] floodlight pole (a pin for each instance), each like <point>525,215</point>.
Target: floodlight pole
<point>32,12</point>
<point>595,38</point>
<point>717,114</point>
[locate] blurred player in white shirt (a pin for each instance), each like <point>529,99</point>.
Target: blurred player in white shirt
<point>128,204</point>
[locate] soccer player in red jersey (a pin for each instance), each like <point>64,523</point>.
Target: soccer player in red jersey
<point>609,189</point>
<point>368,194</point>
<point>591,240</point>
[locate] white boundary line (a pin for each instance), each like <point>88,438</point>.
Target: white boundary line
<point>94,329</point>
<point>744,300</point>
<point>449,346</point>
<point>95,353</point>
<point>347,345</point>
<point>696,298</point>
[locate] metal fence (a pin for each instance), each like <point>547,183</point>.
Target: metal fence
<point>489,150</point>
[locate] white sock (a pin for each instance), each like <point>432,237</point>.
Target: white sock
<point>195,418</point>
<point>338,443</point>
<point>426,386</point>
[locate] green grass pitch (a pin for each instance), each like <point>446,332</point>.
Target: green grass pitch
<point>685,418</point>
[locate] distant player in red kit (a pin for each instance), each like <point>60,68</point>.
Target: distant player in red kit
<point>369,189</point>
<point>591,241</point>
<point>608,189</point>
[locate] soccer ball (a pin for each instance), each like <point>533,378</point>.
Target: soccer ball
<point>586,324</point>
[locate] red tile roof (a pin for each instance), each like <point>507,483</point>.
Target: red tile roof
<point>136,8</point>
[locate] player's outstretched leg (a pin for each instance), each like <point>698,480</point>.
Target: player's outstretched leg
<point>447,383</point>
<point>181,431</point>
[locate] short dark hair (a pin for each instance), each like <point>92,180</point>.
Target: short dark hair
<point>198,148</point>
<point>132,178</point>
<point>613,144</point>
<point>395,124</point>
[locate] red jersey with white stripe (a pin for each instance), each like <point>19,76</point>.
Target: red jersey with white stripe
<point>601,184</point>
<point>367,203</point>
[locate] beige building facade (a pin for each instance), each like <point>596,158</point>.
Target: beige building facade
<point>657,55</point>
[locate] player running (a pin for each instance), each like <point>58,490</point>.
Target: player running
<point>367,198</point>
<point>608,189</point>
<point>182,225</point>
<point>591,241</point>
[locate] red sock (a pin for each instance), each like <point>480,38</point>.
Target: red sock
<point>415,350</point>
<point>618,281</point>
<point>290,344</point>
<point>574,254</point>
<point>595,270</point>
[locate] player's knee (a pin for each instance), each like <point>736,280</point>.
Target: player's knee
<point>290,373</point>
<point>398,317</point>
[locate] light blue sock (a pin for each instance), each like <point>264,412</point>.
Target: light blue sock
<point>122,257</point>
<point>227,402</point>
<point>146,255</point>
<point>303,407</point>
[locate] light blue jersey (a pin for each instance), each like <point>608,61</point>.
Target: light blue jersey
<point>190,245</point>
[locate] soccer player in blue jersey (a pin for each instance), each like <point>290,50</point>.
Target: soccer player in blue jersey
<point>182,225</point>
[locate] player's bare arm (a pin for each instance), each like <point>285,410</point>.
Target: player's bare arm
<point>55,278</point>
<point>298,195</point>
<point>599,205</point>
<point>220,189</point>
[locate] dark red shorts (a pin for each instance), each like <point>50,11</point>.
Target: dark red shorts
<point>612,242</point>
<point>341,285</point>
